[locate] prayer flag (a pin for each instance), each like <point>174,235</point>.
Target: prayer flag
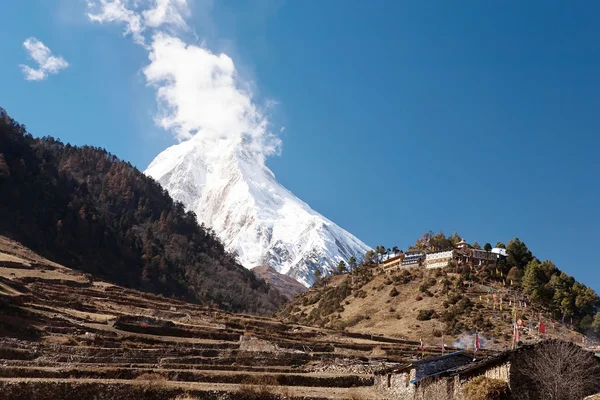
<point>542,328</point>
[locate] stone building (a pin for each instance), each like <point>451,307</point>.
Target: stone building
<point>410,258</point>
<point>444,378</point>
<point>413,258</point>
<point>404,381</point>
<point>393,263</point>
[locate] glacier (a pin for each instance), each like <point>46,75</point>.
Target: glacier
<point>233,192</point>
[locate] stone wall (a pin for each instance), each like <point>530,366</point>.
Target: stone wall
<point>250,343</point>
<point>396,385</point>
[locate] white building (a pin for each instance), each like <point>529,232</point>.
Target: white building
<point>440,259</point>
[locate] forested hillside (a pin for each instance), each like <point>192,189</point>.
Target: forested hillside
<point>86,209</point>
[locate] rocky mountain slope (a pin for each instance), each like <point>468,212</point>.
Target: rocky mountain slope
<point>286,285</point>
<point>231,191</point>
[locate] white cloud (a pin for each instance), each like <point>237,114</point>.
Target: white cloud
<point>198,92</point>
<point>116,11</point>
<point>167,12</point>
<point>47,63</point>
<point>139,15</point>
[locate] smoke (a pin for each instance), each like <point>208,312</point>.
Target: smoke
<point>198,92</point>
<point>466,341</point>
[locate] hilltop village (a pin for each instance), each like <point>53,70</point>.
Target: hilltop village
<point>443,287</point>
<point>462,254</point>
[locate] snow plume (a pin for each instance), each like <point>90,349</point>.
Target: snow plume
<point>47,63</point>
<point>198,92</point>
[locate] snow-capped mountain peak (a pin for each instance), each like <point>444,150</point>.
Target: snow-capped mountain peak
<point>230,189</point>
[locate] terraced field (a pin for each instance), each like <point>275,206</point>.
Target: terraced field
<point>64,335</point>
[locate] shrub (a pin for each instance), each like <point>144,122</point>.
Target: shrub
<point>454,297</point>
<point>484,388</point>
<point>152,380</point>
<point>448,315</point>
<point>151,377</point>
<point>404,277</point>
<point>464,304</point>
<point>426,315</point>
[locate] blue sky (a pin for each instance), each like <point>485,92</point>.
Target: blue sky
<point>400,117</point>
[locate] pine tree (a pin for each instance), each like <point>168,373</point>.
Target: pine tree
<point>341,267</point>
<point>352,262</point>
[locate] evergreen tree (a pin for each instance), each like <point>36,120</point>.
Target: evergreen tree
<point>455,238</point>
<point>317,275</point>
<point>352,262</point>
<point>596,323</point>
<point>341,267</point>
<point>532,281</point>
<point>518,253</point>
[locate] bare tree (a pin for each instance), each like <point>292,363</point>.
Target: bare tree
<point>555,370</point>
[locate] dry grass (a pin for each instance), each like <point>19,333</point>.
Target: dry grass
<point>152,380</point>
<point>257,392</point>
<point>483,388</point>
<point>262,388</point>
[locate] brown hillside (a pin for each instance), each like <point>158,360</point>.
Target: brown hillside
<point>418,303</point>
<point>286,285</point>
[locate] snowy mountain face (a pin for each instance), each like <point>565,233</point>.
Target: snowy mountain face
<point>233,192</point>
